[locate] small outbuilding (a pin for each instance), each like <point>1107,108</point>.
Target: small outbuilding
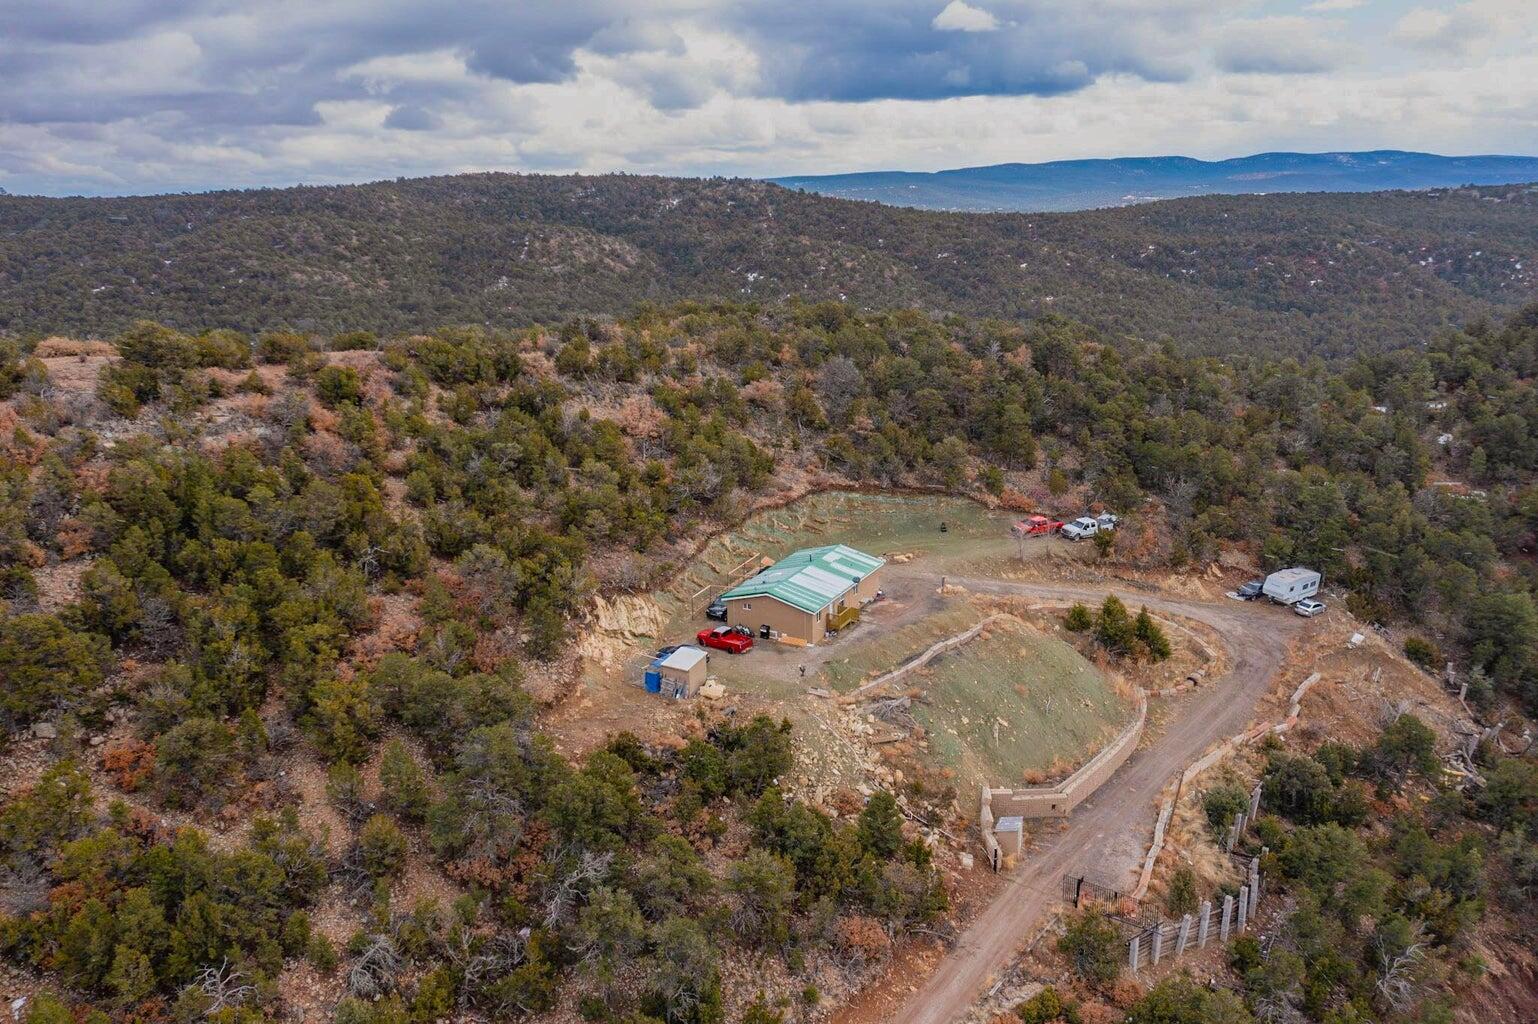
<point>1009,833</point>
<point>682,672</point>
<point>806,594</point>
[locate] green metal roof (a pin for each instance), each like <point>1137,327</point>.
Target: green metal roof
<point>809,579</point>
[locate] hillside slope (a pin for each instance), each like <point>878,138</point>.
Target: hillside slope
<point>1087,184</point>
<point>1304,273</point>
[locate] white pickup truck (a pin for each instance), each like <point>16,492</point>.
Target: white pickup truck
<point>1087,526</point>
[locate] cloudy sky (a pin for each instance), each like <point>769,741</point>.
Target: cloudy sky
<point>126,96</point>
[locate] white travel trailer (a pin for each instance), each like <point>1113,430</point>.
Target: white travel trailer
<point>1289,586</point>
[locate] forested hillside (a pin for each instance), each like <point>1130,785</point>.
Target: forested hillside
<point>1321,273</point>
<point>241,554</point>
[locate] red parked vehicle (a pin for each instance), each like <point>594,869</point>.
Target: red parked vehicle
<point>1037,526</point>
<point>733,639</point>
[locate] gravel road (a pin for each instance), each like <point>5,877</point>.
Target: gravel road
<point>1107,835</point>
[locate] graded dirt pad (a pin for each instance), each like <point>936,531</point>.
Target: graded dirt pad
<point>866,653</point>
<point>76,374</point>
<point>903,528</point>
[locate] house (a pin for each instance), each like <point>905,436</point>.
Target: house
<point>806,593</point>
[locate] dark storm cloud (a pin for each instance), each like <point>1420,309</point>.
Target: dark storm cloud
<point>140,93</point>
<point>411,119</point>
<point>271,62</point>
<point>85,21</point>
<point>263,60</point>
<point>873,49</point>
<point>1280,46</point>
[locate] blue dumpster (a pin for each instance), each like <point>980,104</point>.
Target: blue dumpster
<point>654,677</point>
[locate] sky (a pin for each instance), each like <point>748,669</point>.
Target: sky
<point>110,97</point>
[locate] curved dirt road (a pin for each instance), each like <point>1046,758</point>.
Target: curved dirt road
<point>1106,836</point>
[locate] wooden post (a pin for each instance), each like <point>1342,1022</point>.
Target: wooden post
<point>1158,941</point>
<point>1204,920</point>
<point>1185,935</point>
<point>1132,953</point>
<point>1228,913</point>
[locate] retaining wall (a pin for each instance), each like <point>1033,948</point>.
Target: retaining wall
<point>940,647</point>
<point>1059,800</point>
<point>1206,761</point>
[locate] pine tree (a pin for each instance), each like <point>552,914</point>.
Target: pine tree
<point>880,826</point>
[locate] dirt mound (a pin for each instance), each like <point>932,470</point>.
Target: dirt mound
<point>59,346</point>
<point>75,374</point>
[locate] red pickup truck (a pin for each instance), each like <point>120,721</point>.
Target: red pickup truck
<point>733,639</point>
<point>1035,526</point>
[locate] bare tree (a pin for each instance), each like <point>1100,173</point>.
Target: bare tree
<point>1399,966</point>
<point>222,986</point>
<point>562,897</point>
<point>373,974</point>
<point>839,383</point>
<point>1180,498</point>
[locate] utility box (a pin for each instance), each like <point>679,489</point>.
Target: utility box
<point>1289,586</point>
<point>1009,833</point>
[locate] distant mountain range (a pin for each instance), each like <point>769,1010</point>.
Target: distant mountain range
<point>1092,184</point>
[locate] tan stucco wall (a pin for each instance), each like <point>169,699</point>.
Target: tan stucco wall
<point>752,612</point>
<point>1057,801</point>
<point>869,585</point>
<point>694,677</point>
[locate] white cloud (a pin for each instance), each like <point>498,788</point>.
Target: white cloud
<point>1281,46</point>
<point>960,16</point>
<point>1428,29</point>
<point>1476,26</point>
<point>1327,6</point>
<point>283,92</point>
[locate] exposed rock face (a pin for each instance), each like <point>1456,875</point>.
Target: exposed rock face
<point>628,615</point>
<point>614,622</point>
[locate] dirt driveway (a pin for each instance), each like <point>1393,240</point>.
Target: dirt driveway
<point>1106,836</point>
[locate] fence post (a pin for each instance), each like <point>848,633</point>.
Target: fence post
<point>1158,941</point>
<point>1228,913</point>
<point>1255,802</point>
<point>1244,907</point>
<point>1132,953</point>
<point>1205,921</point>
<point>1185,935</point>
<point>1254,885</point>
